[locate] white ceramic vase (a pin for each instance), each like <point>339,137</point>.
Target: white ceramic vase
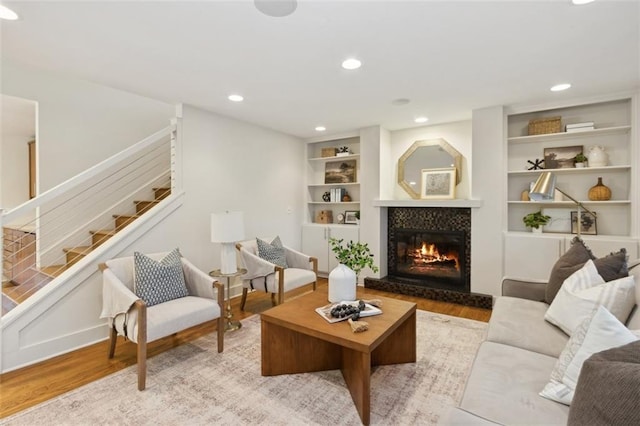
<point>537,230</point>
<point>598,157</point>
<point>342,284</point>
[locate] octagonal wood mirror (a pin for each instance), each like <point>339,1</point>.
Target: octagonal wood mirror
<point>426,154</point>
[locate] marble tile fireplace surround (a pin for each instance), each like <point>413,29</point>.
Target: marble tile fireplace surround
<point>429,255</point>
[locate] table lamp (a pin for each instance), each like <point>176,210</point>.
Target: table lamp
<point>227,228</point>
<point>544,189</point>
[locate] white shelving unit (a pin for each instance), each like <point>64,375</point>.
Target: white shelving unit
<point>613,131</point>
<point>532,255</point>
<point>316,185</point>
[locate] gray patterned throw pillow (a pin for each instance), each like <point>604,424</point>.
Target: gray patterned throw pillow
<point>272,252</point>
<point>158,281</point>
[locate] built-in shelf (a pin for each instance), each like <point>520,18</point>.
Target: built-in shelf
<point>571,203</point>
<point>330,203</point>
<point>335,158</point>
<point>570,135</point>
<point>576,170</point>
<point>334,185</point>
<point>428,203</point>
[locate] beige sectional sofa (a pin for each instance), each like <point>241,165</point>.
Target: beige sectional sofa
<point>515,361</point>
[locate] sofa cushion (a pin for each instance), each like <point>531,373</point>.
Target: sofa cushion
<point>158,281</point>
<point>583,292</point>
<point>598,332</point>
<point>610,267</point>
<point>520,323</point>
<point>608,389</point>
<point>272,252</point>
<point>504,383</point>
<point>572,260</point>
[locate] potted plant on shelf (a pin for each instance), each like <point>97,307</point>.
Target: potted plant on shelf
<point>580,160</point>
<point>536,220</point>
<point>353,258</point>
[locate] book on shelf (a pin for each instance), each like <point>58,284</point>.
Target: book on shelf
<point>579,127</point>
<point>337,194</point>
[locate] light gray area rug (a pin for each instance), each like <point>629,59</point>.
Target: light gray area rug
<point>193,384</point>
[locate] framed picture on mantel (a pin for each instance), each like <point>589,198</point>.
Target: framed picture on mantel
<point>438,184</point>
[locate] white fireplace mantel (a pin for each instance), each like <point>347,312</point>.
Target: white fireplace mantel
<point>428,203</point>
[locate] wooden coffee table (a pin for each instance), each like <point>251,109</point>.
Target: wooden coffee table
<point>296,339</point>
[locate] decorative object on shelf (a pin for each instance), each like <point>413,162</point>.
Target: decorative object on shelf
<point>340,171</point>
<point>524,195</point>
<point>351,217</point>
<point>536,220</point>
<point>324,216</point>
<point>599,192</point>
<point>426,154</point>
<point>342,151</point>
<point>438,184</point>
<point>346,197</point>
<point>542,126</point>
<point>561,157</point>
<point>579,127</point>
<point>227,228</point>
<point>353,258</point>
<point>544,190</point>
<point>588,225</point>
<point>328,152</point>
<point>598,157</point>
<point>536,164</point>
<point>560,220</point>
<point>326,196</point>
<point>580,160</point>
<point>340,218</point>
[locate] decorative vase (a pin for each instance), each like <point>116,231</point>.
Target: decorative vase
<point>599,192</point>
<point>598,157</point>
<point>537,230</point>
<point>342,284</point>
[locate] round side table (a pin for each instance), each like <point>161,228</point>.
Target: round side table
<point>230,325</point>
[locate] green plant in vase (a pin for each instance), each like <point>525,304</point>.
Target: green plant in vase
<point>355,256</point>
<point>536,220</point>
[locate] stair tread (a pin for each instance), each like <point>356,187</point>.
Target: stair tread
<point>78,250</point>
<point>126,215</point>
<point>53,270</point>
<point>147,201</point>
<point>103,231</point>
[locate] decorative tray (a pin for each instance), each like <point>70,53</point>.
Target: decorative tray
<point>325,311</point>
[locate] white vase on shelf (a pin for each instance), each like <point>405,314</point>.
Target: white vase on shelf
<point>598,157</point>
<point>342,284</point>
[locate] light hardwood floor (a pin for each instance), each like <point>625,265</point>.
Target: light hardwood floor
<point>31,385</point>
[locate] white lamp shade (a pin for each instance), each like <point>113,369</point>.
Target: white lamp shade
<point>227,227</point>
<point>544,188</point>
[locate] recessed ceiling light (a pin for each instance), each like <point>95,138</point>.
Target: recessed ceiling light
<point>236,98</point>
<point>320,129</point>
<point>579,2</point>
<point>421,119</point>
<point>8,14</point>
<point>560,87</point>
<point>400,101</point>
<point>276,8</point>
<point>351,64</point>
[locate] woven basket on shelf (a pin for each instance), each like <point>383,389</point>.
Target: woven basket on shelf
<point>541,126</point>
<point>328,152</point>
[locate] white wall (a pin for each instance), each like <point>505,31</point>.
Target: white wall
<point>80,123</point>
<point>17,128</point>
<point>457,134</point>
<point>489,155</point>
<point>231,165</point>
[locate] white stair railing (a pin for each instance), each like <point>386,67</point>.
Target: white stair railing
<point>46,235</point>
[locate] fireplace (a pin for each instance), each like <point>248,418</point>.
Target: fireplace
<point>430,247</point>
<point>437,257</point>
<point>429,255</point>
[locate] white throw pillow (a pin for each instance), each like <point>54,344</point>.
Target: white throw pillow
<point>585,290</point>
<point>598,332</point>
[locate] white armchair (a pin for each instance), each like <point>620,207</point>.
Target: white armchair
<point>268,277</point>
<point>129,316</point>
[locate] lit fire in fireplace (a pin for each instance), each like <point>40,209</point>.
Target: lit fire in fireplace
<point>429,254</point>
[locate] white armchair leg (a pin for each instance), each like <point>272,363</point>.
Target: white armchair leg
<point>142,344</point>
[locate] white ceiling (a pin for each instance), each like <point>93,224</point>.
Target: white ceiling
<point>447,57</point>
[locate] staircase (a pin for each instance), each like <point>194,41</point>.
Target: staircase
<point>32,279</point>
